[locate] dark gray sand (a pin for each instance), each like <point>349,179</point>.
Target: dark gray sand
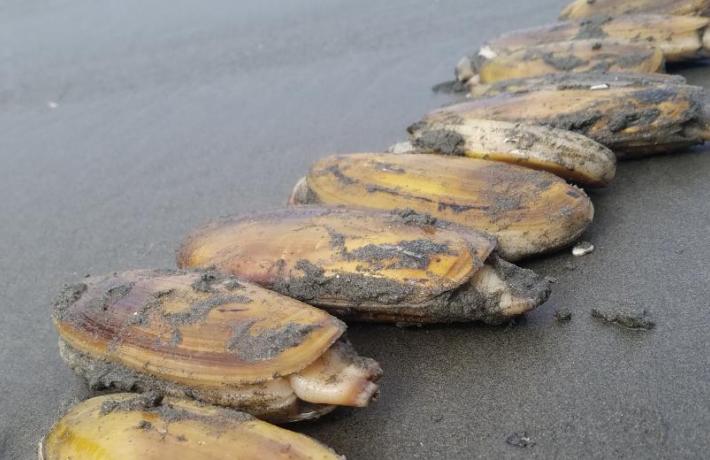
<point>126,124</point>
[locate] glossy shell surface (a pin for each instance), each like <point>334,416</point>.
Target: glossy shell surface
<point>131,427</point>
<point>593,81</point>
<point>585,8</point>
<point>629,120</point>
<point>401,267</point>
<point>377,254</point>
<point>566,154</point>
<point>193,328</point>
<point>677,37</point>
<point>576,56</point>
<point>529,212</point>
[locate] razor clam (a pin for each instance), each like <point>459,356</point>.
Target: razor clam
<point>632,121</point>
<point>393,267</point>
<point>210,337</point>
<point>529,212</point>
<point>148,427</point>
<point>574,56</point>
<point>566,154</point>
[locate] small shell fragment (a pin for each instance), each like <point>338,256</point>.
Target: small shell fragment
<point>206,336</point>
<point>373,266</point>
<point>148,427</point>
<point>582,249</point>
<point>529,212</point>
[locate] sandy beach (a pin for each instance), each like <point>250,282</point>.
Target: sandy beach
<point>127,124</point>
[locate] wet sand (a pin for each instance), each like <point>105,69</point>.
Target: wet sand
<point>126,125</point>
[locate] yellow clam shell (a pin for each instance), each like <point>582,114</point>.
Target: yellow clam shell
<point>130,427</point>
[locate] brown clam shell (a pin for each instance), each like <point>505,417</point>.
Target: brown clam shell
<point>631,121</point>
<point>366,265</point>
<point>677,37</point>
<point>193,328</point>
<point>146,427</point>
<point>529,212</point>
<point>585,8</point>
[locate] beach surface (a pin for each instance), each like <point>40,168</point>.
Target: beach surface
<point>127,124</point>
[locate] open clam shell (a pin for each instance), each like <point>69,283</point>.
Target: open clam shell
<point>147,427</point>
<point>529,212</point>
<point>398,267</point>
<point>206,336</point>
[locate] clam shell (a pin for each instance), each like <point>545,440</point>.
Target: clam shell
<point>529,212</point>
<point>570,56</point>
<point>676,37</point>
<point>207,336</point>
<point>266,248</point>
<point>566,154</point>
<point>195,329</point>
<point>366,265</point>
<point>130,427</point>
<point>631,121</point>
<point>585,8</point>
<point>594,81</point>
